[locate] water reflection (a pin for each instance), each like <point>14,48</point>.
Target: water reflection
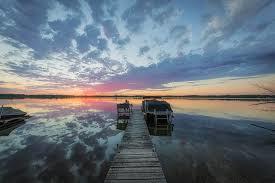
<point>74,140</point>
<point>62,142</point>
<point>122,122</point>
<point>209,149</point>
<point>6,130</point>
<point>164,130</point>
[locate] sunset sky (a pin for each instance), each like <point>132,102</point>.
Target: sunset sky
<point>177,47</point>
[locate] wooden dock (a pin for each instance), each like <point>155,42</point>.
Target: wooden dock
<point>136,159</point>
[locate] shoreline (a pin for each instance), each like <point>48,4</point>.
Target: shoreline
<point>190,97</point>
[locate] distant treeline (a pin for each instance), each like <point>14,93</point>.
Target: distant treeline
<point>210,97</point>
<point>22,96</point>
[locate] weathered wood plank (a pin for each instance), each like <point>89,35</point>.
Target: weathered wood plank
<point>135,156</point>
<point>135,176</point>
<point>136,169</point>
<point>135,164</point>
<point>136,160</point>
<point>136,181</point>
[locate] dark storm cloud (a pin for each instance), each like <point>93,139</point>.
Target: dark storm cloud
<point>136,15</point>
<point>143,50</point>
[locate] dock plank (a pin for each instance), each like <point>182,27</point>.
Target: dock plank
<point>136,160</point>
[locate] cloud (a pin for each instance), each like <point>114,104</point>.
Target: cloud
<point>136,15</point>
<point>65,33</point>
<point>97,9</point>
<point>26,26</point>
<point>143,50</point>
<point>163,15</point>
<point>90,38</point>
<point>112,33</point>
<point>262,26</point>
<point>72,4</point>
<point>25,69</point>
<point>91,43</point>
<point>110,30</point>
<point>178,31</point>
<point>234,62</point>
<point>237,14</point>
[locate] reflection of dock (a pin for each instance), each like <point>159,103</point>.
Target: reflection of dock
<point>136,160</point>
<point>124,111</point>
<point>122,123</point>
<point>163,130</point>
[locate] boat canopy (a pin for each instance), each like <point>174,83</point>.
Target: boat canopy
<point>6,112</point>
<point>151,105</point>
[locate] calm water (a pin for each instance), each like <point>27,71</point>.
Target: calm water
<point>74,140</point>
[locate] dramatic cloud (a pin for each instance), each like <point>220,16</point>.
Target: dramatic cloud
<point>106,46</point>
<point>143,50</point>
<point>178,31</point>
<point>136,15</point>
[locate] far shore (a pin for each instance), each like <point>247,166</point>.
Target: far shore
<point>194,97</point>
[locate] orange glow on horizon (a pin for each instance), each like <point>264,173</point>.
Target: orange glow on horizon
<point>222,86</point>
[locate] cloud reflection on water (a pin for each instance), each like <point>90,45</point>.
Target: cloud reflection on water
<point>66,142</point>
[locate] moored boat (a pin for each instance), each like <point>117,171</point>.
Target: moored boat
<point>157,112</point>
<point>9,112</point>
<point>10,119</point>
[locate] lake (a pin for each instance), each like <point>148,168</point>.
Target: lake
<point>74,140</point>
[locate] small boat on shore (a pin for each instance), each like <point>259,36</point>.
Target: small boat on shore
<point>9,112</point>
<point>11,118</point>
<point>157,112</point>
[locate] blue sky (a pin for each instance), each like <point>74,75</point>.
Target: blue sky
<point>104,46</point>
